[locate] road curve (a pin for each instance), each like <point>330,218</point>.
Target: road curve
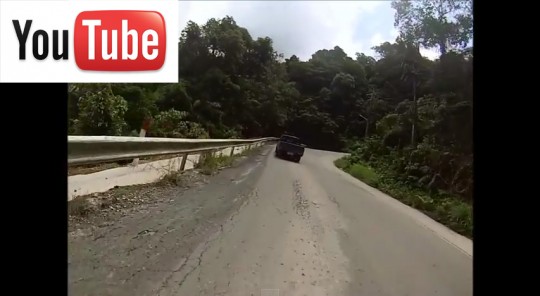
<point>298,229</point>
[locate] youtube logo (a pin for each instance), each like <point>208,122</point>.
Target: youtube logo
<point>120,40</point>
<point>100,45</point>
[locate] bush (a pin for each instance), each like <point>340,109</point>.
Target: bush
<point>209,164</point>
<point>173,124</point>
<point>364,173</point>
<point>100,113</point>
<point>342,163</point>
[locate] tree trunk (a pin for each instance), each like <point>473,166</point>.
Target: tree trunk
<point>443,45</point>
<point>413,131</point>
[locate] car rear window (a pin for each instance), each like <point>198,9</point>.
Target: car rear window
<point>291,140</point>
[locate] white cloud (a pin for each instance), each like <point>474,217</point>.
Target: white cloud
<point>431,54</point>
<point>377,39</point>
<point>394,33</point>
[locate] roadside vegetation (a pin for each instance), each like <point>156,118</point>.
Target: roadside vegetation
<point>449,209</point>
<point>210,164</point>
<point>405,119</point>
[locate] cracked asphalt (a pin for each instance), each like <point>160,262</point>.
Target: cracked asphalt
<point>269,227</point>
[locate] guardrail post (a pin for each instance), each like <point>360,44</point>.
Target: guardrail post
<point>142,134</point>
<point>183,164</point>
<point>204,155</point>
<point>232,151</point>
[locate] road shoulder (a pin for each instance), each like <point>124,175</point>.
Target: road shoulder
<point>460,242</point>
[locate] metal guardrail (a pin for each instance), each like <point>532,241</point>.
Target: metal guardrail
<point>98,149</point>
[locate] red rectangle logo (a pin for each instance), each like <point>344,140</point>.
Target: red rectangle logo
<point>120,40</point>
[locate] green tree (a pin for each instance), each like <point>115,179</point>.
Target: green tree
<point>173,124</point>
<point>445,24</point>
<point>101,113</point>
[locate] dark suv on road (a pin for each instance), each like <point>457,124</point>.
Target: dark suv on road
<point>290,147</point>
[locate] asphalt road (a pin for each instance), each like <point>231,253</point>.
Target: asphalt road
<point>272,227</point>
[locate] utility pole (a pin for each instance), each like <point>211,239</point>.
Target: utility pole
<point>410,71</point>
<point>367,125</point>
<point>413,133</point>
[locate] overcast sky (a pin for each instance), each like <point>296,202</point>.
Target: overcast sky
<point>303,27</point>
